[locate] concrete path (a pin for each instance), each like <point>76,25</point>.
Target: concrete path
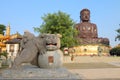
<point>98,74</point>
<point>95,68</point>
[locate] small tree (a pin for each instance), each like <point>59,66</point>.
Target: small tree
<point>4,54</point>
<point>60,23</point>
<point>118,35</point>
<point>115,51</point>
<point>2,28</point>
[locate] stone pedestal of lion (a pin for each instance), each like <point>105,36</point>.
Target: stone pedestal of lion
<point>45,55</point>
<point>52,59</point>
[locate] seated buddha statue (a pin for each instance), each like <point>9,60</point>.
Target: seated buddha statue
<point>88,31</point>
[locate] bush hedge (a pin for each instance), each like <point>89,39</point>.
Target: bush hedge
<point>115,51</point>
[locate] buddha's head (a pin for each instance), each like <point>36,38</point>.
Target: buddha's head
<point>85,15</point>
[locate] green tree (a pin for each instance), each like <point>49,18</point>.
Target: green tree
<point>115,51</point>
<point>2,28</point>
<point>59,23</point>
<point>118,35</point>
<point>4,54</point>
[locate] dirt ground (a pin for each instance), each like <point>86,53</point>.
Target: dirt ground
<point>94,68</point>
<point>98,74</point>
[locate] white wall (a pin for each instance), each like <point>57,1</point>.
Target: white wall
<point>12,54</point>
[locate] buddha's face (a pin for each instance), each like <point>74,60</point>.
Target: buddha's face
<point>85,16</point>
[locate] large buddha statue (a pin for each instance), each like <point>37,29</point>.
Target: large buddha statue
<point>88,31</point>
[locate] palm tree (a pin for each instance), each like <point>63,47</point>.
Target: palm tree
<point>118,35</point>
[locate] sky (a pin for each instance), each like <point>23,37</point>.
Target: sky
<point>25,14</point>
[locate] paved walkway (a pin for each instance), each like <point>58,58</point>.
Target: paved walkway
<point>94,68</point>
<point>98,74</point>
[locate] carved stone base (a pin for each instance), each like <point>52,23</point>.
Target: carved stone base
<point>52,59</point>
<point>38,73</point>
<point>92,50</point>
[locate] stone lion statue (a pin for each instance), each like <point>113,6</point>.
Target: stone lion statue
<point>53,58</point>
<point>31,47</point>
<point>34,49</point>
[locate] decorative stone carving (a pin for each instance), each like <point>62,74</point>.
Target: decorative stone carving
<point>42,51</point>
<point>53,58</point>
<point>31,47</point>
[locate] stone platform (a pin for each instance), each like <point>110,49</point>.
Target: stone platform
<point>33,72</point>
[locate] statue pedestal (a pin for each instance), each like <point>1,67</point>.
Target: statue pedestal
<point>92,50</point>
<point>52,59</point>
<point>33,72</point>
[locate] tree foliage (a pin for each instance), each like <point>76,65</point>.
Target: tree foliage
<point>115,51</point>
<point>2,28</point>
<point>4,54</point>
<point>59,23</point>
<point>118,35</point>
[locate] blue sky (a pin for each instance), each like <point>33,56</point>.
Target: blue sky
<point>25,14</point>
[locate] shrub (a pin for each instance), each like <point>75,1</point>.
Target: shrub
<point>115,51</point>
<point>4,54</point>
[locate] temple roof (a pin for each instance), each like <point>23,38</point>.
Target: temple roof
<point>13,41</point>
<point>1,36</point>
<point>16,35</point>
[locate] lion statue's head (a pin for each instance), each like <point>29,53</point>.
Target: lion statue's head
<point>51,41</point>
